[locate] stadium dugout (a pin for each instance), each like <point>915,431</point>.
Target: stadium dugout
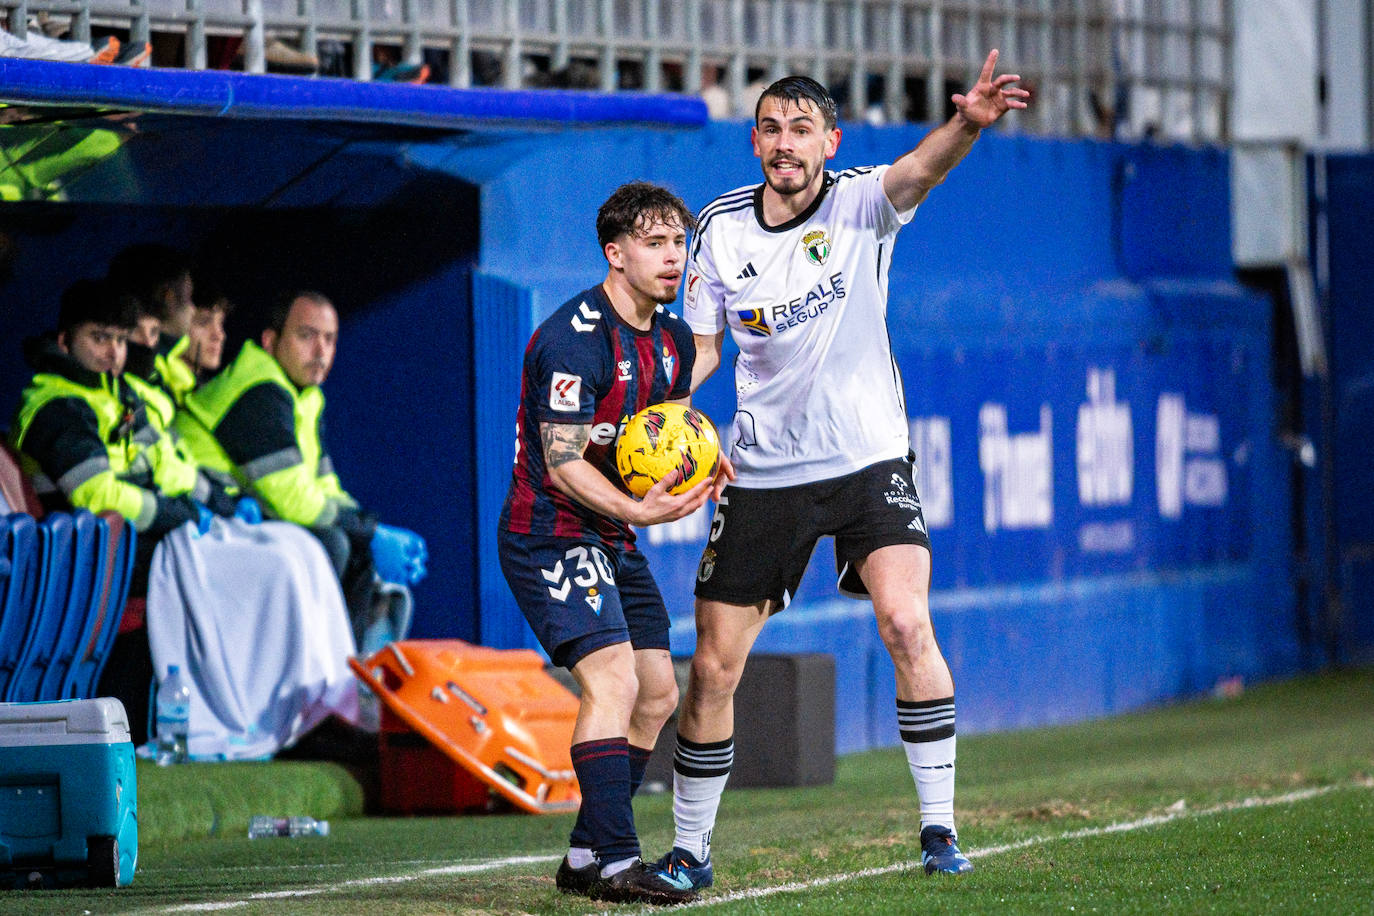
<point>1092,410</point>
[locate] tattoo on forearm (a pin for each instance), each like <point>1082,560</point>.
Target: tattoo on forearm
<point>563,442</point>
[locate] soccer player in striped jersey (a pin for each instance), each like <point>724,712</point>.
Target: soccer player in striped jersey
<point>565,542</point>
<point>796,268</point>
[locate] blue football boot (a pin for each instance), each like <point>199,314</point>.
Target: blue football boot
<point>940,854</point>
<point>641,883</point>
<point>682,869</point>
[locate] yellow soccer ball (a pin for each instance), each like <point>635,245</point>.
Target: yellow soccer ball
<point>663,440</point>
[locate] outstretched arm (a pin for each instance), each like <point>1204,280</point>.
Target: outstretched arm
<point>912,176</point>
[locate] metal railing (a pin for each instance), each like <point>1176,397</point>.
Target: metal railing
<point>1096,67</point>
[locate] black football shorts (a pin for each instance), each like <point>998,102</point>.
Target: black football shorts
<point>761,539</point>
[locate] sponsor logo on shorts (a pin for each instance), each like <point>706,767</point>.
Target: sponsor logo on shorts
<point>900,494</point>
<point>708,565</point>
<point>565,392</point>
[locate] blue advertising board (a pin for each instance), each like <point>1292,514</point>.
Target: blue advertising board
<point>1057,461</point>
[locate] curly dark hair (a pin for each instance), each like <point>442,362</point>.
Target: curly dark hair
<point>795,88</point>
<point>636,207</point>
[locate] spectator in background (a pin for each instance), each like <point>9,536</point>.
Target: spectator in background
<point>241,608</point>
<point>205,352</point>
<point>749,101</point>
<point>85,435</point>
<point>86,440</point>
<point>158,278</point>
<point>37,44</point>
<point>260,422</point>
<point>716,97</point>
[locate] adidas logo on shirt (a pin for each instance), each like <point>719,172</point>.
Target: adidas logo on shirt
<point>748,272</point>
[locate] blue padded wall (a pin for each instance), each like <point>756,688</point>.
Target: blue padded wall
<point>1349,328</point>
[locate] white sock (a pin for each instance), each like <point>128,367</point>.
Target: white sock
<point>700,771</point>
<point>927,728</point>
<point>618,866</point>
<point>580,857</point>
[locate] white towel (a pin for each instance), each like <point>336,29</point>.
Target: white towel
<point>254,616</point>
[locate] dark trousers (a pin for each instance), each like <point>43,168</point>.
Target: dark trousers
<point>351,558</point>
<point>129,674</point>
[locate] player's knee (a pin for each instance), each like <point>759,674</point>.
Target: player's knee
<point>908,633</point>
<point>658,701</point>
<point>714,675</point>
<point>613,688</point>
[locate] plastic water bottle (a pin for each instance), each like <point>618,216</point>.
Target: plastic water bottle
<point>262,826</point>
<point>173,718</point>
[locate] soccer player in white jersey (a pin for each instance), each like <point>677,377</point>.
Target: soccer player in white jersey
<point>796,267</point>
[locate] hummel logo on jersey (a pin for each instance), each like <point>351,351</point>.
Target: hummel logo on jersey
<point>588,313</point>
<point>748,272</point>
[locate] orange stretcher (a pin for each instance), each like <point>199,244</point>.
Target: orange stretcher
<point>496,713</point>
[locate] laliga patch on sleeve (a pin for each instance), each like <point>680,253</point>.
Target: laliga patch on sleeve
<point>565,392</point>
<point>693,284</point>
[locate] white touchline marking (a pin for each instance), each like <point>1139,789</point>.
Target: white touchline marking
<point>466,868</point>
<point>1124,827</point>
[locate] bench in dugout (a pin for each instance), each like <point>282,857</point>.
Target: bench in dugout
<point>64,581</point>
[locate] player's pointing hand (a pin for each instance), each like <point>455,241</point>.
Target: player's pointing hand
<point>990,98</point>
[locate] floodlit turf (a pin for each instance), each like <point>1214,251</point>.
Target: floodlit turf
<point>1035,810</point>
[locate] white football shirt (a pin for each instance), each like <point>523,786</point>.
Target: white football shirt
<point>806,302</point>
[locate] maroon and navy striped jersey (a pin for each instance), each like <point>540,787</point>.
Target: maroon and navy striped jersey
<point>584,365</point>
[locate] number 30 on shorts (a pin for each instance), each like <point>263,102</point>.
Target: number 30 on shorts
<point>589,565</point>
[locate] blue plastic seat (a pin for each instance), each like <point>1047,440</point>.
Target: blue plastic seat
<point>115,543</point>
<point>57,545</point>
<point>119,594</point>
<point>19,592</point>
<point>88,569</point>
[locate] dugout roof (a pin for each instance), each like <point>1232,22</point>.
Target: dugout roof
<point>230,94</point>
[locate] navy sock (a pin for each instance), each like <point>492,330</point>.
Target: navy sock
<point>581,837</point>
<point>639,762</point>
<point>606,819</point>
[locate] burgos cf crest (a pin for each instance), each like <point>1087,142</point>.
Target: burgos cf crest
<point>816,244</point>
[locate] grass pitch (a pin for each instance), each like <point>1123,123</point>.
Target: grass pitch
<point>1258,804</point>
